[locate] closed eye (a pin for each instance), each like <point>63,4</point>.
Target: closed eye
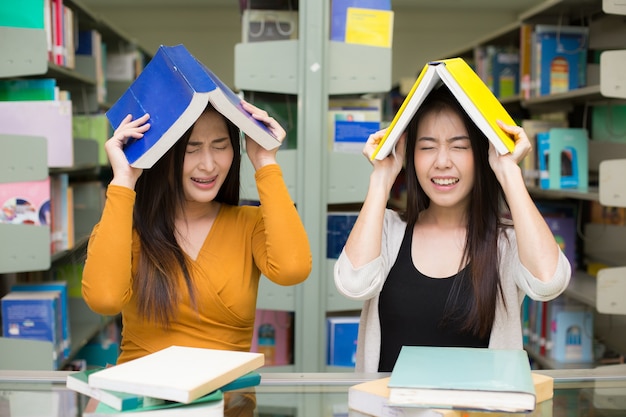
<point>221,144</point>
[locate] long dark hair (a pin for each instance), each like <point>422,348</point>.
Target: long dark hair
<point>481,278</point>
<point>159,196</point>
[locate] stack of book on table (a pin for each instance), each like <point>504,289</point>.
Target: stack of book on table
<point>175,381</point>
<point>455,382</point>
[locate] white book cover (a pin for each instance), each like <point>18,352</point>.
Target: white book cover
<point>177,373</point>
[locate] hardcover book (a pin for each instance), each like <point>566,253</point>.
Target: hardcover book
<point>61,287</point>
<point>177,373</point>
<point>471,92</point>
<point>54,122</point>
<point>560,58</point>
<point>121,401</point>
<point>175,88</point>
<point>530,163</point>
<point>25,202</point>
<point>34,315</point>
<point>339,14</point>
<point>78,381</point>
<point>372,398</point>
<point>563,155</point>
<point>462,378</point>
<point>210,405</point>
<point>342,335</point>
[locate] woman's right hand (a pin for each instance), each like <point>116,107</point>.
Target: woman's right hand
<point>124,174</point>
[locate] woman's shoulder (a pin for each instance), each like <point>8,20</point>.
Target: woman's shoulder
<point>393,216</point>
<point>394,220</point>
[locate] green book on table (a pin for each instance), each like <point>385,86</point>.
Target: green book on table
<point>121,401</point>
<point>463,378</point>
<point>210,405</point>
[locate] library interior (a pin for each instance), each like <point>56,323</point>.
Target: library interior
<point>331,73</point>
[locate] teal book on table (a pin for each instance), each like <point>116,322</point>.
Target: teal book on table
<point>121,401</point>
<point>210,405</point>
<point>463,378</point>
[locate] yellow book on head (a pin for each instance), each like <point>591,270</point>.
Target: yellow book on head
<point>470,91</point>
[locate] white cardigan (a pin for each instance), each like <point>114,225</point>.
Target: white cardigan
<point>365,284</point>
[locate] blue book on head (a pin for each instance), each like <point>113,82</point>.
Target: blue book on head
<point>175,88</point>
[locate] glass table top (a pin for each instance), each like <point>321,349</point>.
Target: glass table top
<point>586,392</point>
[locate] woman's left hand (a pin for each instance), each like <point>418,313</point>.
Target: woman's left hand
<point>258,155</point>
<point>522,147</point>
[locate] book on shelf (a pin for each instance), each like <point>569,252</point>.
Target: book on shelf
<point>342,333</point>
<point>23,14</point>
<point>559,56</point>
<point>177,373</point>
<point>351,121</point>
<point>525,59</point>
<point>61,287</point>
<point>471,92</point>
<point>175,88</point>
<point>30,89</point>
<point>339,14</point>
<point>26,202</point>
<point>96,127</point>
<point>530,163</point>
<point>273,336</point>
<point>54,122</point>
<point>571,332</point>
<point>122,401</point>
<point>369,27</point>
<point>563,155</point>
<point>209,405</point>
<point>482,379</point>
<point>34,315</point>
<point>372,398</point>
<point>62,209</point>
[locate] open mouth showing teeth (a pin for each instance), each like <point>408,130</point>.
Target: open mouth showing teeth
<point>202,181</point>
<point>447,181</point>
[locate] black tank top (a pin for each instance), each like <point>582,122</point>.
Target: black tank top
<point>411,309</point>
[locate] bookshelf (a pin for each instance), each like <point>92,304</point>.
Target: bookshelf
<point>26,249</point>
<point>313,68</point>
<point>599,244</point>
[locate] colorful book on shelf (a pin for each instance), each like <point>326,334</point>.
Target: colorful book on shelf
<point>481,379</point>
<point>54,122</point>
<point>34,315</point>
<point>372,398</point>
<point>24,14</point>
<point>559,58</point>
<point>175,88</point>
<point>28,89</point>
<point>26,202</point>
<point>571,333</point>
<point>369,27</point>
<point>61,287</point>
<point>273,336</point>
<point>341,339</point>
<point>210,405</point>
<point>351,121</point>
<point>339,14</point>
<point>530,163</point>
<point>563,155</point>
<point>177,373</point>
<point>471,92</point>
